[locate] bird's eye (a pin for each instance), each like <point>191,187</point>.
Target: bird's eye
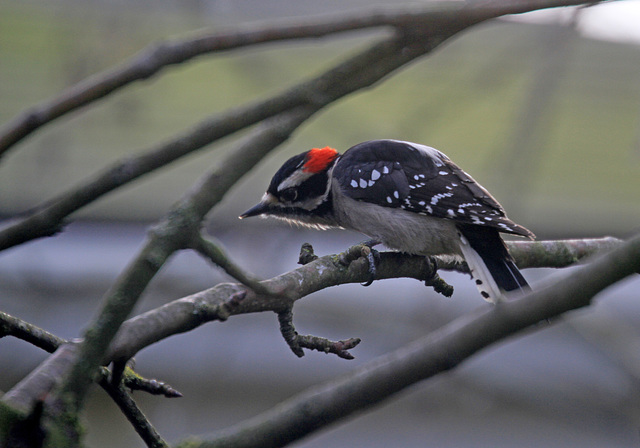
<point>289,194</point>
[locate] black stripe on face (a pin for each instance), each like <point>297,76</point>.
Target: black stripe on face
<point>286,170</point>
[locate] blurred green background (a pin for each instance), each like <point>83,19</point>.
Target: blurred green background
<point>545,118</point>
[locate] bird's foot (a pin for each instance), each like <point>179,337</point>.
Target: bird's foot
<point>373,257</point>
<point>363,250</point>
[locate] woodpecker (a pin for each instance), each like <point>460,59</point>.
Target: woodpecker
<point>407,196</point>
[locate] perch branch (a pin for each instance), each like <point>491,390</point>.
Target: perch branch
<point>435,353</point>
<point>214,304</point>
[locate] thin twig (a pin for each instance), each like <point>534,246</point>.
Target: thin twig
<point>132,412</point>
<point>13,326</point>
<point>213,251</point>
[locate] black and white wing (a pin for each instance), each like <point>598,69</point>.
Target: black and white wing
<point>419,179</point>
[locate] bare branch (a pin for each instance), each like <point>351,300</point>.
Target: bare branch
<point>12,326</point>
<point>132,380</point>
<point>214,252</point>
<point>439,351</point>
<point>214,304</point>
<point>421,33</point>
<point>132,412</point>
<point>39,383</point>
<point>297,342</point>
<point>558,253</point>
<point>153,59</point>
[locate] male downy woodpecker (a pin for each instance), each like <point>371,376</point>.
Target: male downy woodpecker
<point>408,196</point>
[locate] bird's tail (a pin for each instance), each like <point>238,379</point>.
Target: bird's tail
<point>492,267</point>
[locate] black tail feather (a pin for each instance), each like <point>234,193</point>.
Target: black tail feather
<point>488,243</point>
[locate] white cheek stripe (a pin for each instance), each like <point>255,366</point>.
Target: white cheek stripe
<point>294,180</point>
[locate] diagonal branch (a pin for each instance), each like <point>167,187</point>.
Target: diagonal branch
<point>156,57</point>
<point>175,232</point>
<point>13,326</point>
<point>213,252</point>
<point>132,412</point>
<point>437,352</point>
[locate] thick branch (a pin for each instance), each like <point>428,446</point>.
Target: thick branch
<point>39,383</point>
<point>439,351</point>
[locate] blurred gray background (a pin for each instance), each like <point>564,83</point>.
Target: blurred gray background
<point>545,115</point>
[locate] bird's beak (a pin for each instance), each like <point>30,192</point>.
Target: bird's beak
<point>263,207</point>
<point>256,210</point>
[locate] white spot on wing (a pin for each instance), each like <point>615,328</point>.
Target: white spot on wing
<point>375,175</point>
<point>389,200</point>
<point>436,197</point>
<point>385,170</point>
<point>354,184</point>
<point>363,183</point>
<point>395,193</point>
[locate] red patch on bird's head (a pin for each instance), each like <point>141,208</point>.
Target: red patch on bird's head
<point>319,158</point>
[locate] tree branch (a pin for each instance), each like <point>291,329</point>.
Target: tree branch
<point>422,31</point>
<point>12,326</point>
<point>213,304</point>
<point>132,412</point>
<point>558,253</point>
<point>297,342</point>
<point>156,57</point>
<point>438,352</point>
<point>170,236</point>
<point>213,252</point>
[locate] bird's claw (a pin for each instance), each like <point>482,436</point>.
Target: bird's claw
<point>373,257</point>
